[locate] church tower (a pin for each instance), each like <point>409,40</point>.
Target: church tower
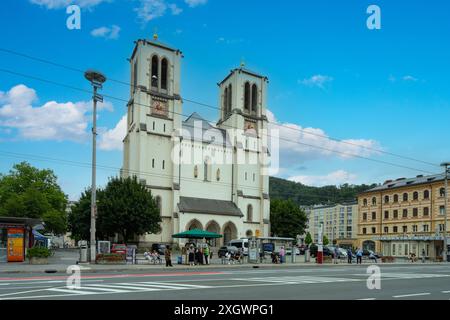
<point>154,114</point>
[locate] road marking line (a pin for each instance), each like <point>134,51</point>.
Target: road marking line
<point>172,284</point>
<point>121,286</point>
<point>445,291</point>
<point>412,295</point>
<point>72,291</point>
<point>367,299</point>
<point>98,287</point>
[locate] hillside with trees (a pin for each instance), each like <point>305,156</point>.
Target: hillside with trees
<point>306,195</point>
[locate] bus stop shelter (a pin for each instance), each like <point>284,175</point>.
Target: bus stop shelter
<point>267,245</point>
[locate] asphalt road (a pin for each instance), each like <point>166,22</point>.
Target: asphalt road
<point>299,283</point>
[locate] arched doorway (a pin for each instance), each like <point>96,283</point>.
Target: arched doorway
<point>213,226</point>
<point>249,234</point>
<point>229,232</point>
<point>194,224</point>
<point>368,245</point>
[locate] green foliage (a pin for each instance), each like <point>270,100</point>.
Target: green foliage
<point>124,207</point>
<point>325,241</point>
<point>306,195</point>
<point>308,239</point>
<point>286,218</point>
<point>30,192</point>
<point>38,252</point>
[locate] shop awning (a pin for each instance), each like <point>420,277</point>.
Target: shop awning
<point>197,234</point>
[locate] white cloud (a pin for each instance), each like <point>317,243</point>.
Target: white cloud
<point>298,144</point>
<point>107,33</point>
<point>59,4</point>
<point>317,80</point>
<point>112,139</point>
<point>334,178</point>
<point>195,3</point>
<point>50,121</point>
<point>410,78</point>
<point>174,9</point>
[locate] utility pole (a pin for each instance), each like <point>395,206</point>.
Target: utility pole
<point>446,166</point>
<point>96,79</point>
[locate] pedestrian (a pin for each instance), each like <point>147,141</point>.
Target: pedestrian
<point>349,255</point>
<point>206,253</point>
<point>168,256</point>
<point>359,254</point>
<point>191,255</point>
<point>282,255</point>
<point>336,255</point>
<point>372,256</point>
<point>423,255</point>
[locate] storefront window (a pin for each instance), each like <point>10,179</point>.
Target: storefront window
<point>3,244</point>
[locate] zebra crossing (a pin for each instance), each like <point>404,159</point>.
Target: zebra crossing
<point>126,287</point>
<point>412,275</point>
<point>298,279</point>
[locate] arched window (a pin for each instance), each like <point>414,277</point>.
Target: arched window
<point>154,79</point>
<point>249,213</point>
<point>225,101</point>
<point>426,194</point>
<point>230,97</point>
<point>405,197</point>
<point>206,170</point>
<point>415,195</point>
<point>426,211</point>
<point>158,204</point>
<point>164,67</point>
<point>442,192</point>
<point>163,164</point>
<point>386,199</point>
<point>254,97</point>
<point>218,175</point>
<point>247,96</point>
<point>395,197</point>
<point>374,201</point>
<point>365,202</point>
<point>195,171</point>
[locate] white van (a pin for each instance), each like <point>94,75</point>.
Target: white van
<point>241,244</point>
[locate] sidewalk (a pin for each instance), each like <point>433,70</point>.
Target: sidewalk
<point>61,268</point>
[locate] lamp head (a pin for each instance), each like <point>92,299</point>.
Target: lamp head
<point>95,77</point>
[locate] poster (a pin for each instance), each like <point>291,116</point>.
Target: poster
<point>15,245</point>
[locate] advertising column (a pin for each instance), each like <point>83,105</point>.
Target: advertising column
<point>16,245</point>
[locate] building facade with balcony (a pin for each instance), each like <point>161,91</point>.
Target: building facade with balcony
<point>404,216</point>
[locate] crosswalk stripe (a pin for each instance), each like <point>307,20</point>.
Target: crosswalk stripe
<point>177,284</point>
<point>159,286</point>
<point>101,288</point>
<point>125,286</point>
<point>73,291</point>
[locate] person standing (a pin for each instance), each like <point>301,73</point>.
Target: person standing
<point>282,255</point>
<point>349,256</point>
<point>423,255</point>
<point>191,255</point>
<point>359,254</point>
<point>206,253</point>
<point>168,256</point>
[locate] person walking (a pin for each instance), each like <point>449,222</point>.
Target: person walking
<point>282,254</point>
<point>359,254</point>
<point>336,255</point>
<point>168,256</point>
<point>423,255</point>
<point>206,253</point>
<point>349,255</point>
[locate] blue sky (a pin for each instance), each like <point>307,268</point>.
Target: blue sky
<point>329,74</point>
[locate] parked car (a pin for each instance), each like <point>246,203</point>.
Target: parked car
<point>159,247</point>
<point>223,250</point>
<point>241,244</point>
<point>313,250</point>
<point>119,248</point>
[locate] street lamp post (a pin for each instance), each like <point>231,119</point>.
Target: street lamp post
<point>96,79</point>
<point>446,166</point>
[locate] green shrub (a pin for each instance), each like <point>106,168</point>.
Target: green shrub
<point>38,252</point>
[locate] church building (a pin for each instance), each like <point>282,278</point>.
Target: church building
<point>202,175</point>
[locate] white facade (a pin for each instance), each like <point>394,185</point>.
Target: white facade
<point>217,181</point>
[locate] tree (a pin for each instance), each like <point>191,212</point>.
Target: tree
<point>126,207</point>
<point>308,239</point>
<point>79,218</point>
<point>30,192</point>
<point>286,218</point>
<point>325,240</point>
